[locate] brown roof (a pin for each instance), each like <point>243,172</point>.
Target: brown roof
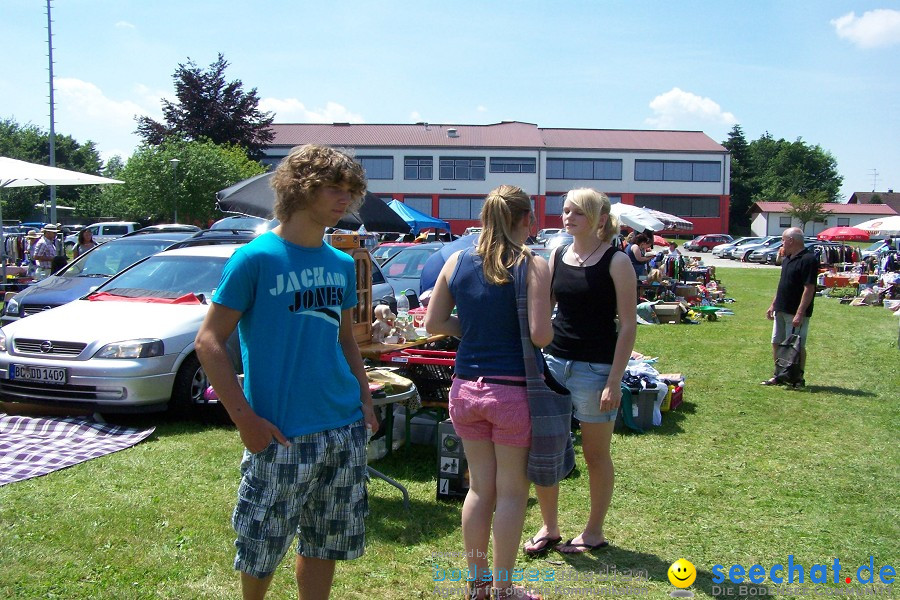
<point>892,199</point>
<point>508,134</point>
<point>835,207</point>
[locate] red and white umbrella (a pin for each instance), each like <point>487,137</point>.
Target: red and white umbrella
<point>659,240</point>
<point>844,234</point>
<point>882,226</point>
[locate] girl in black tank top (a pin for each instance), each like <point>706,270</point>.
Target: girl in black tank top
<point>594,285</point>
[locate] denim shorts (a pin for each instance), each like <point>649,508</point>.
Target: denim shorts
<point>315,490</point>
<point>783,325</point>
<point>585,381</point>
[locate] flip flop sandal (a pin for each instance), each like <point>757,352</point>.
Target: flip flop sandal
<point>478,590</point>
<point>547,541</point>
<point>582,547</point>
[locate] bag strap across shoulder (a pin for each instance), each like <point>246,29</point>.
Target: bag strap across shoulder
<point>520,276</point>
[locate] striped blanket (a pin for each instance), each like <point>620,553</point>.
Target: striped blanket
<point>34,446</point>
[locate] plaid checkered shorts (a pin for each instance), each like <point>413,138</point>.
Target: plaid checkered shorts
<point>315,489</point>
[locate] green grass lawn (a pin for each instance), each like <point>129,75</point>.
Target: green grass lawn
<point>740,474</point>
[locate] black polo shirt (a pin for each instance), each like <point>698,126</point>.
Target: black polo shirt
<point>796,272</point>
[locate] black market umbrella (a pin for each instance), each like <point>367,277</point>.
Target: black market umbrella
<point>255,197</point>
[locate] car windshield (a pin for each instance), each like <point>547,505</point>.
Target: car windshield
<point>875,246</point>
<point>382,253</point>
<point>108,259</point>
<point>407,264</point>
<point>169,276</point>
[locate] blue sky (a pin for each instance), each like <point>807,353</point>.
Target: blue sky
<point>825,71</point>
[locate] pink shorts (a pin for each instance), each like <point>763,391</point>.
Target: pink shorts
<point>490,411</point>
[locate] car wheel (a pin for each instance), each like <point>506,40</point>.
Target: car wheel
<point>190,384</point>
<point>704,249</point>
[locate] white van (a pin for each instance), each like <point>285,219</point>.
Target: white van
<point>103,232</point>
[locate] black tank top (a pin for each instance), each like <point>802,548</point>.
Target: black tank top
<point>584,328</point>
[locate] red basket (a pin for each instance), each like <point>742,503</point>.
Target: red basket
<point>430,370</point>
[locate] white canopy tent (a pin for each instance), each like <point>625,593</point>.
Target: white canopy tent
<point>19,173</point>
<point>882,226</point>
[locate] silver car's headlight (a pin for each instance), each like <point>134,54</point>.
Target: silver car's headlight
<point>143,348</point>
<point>12,307</point>
<point>2,341</point>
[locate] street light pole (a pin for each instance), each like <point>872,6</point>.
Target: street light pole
<point>174,162</point>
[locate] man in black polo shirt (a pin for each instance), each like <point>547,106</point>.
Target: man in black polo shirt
<point>793,303</point>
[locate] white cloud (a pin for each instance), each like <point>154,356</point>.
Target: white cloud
<point>415,117</point>
<point>291,110</point>
<point>86,113</point>
<point>677,109</point>
<point>124,25</point>
<point>875,28</point>
<point>481,109</point>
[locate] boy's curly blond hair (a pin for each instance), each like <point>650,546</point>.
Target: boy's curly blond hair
<point>309,168</point>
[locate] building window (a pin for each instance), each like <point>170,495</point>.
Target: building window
<point>418,167</point>
<point>784,222</point>
<point>462,169</point>
<point>677,170</point>
<point>513,165</point>
<point>843,221</point>
<point>377,167</point>
<point>583,168</point>
<point>681,206</point>
<point>554,203</point>
<point>423,205</point>
<point>466,209</point>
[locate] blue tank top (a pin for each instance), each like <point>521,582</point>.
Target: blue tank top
<point>639,267</point>
<point>490,343</point>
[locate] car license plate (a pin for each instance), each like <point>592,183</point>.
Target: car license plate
<point>42,374</point>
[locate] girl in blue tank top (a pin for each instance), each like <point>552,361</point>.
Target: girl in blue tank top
<point>488,402</point>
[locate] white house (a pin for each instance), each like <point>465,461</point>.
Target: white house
<point>772,218</point>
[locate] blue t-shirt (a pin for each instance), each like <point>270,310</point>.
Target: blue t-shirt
<point>291,297</point>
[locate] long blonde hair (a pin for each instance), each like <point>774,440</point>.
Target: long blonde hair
<point>503,209</point>
<point>594,205</point>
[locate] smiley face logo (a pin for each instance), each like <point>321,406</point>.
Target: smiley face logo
<point>682,573</point>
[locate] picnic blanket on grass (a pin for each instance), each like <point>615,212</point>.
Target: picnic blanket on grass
<point>34,446</point>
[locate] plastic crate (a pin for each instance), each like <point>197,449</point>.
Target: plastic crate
<point>642,410</point>
<point>430,370</point>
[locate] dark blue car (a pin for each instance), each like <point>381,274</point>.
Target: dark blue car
<point>88,271</point>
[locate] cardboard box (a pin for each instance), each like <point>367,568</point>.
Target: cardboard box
<point>670,312</point>
<point>687,291</point>
<point>344,240</point>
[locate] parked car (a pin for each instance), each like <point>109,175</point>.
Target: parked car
<point>723,250</point>
<point>705,243</point>
<point>120,349</point>
<point>243,223</point>
<point>470,230</point>
<point>103,232</point>
<point>766,255</point>
<point>874,249</point>
<point>385,250</point>
<point>547,232</point>
<point>87,272</point>
<point>171,227</point>
<point>560,239</point>
<point>404,270</point>
<point>741,252</point>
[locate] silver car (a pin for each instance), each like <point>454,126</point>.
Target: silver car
<point>126,347</point>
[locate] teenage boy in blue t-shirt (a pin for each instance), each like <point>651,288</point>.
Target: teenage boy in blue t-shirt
<point>305,403</point>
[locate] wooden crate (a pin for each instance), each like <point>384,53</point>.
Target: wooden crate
<point>362,314</point>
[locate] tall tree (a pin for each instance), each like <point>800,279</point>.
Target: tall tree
<point>31,143</point>
<point>809,207</point>
<point>153,190</point>
<point>210,107</point>
<point>741,179</point>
